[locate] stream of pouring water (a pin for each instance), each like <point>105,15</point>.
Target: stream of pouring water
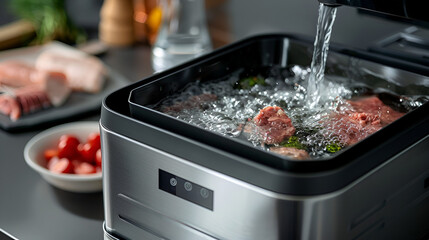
<point>227,106</point>
<point>321,46</point>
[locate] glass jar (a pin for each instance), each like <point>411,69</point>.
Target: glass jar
<point>183,34</point>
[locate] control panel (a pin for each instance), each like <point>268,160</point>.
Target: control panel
<point>185,189</point>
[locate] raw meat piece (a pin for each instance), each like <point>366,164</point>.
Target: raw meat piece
<point>294,153</point>
<point>373,105</point>
<point>18,74</point>
<point>26,90</point>
<point>10,106</point>
<point>23,102</point>
<point>83,72</point>
<point>358,119</point>
<point>348,129</point>
<point>14,75</point>
<point>273,125</point>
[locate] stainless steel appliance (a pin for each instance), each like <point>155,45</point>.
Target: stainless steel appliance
<point>167,179</point>
<point>410,9</point>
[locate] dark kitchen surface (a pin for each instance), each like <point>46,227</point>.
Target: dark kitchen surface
<point>30,208</point>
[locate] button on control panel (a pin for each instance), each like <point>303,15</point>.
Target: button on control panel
<point>173,181</point>
<point>188,186</point>
<point>185,189</point>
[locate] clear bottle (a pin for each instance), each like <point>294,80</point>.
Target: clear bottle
<point>183,34</point>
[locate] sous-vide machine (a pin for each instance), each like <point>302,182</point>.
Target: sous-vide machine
<point>167,179</point>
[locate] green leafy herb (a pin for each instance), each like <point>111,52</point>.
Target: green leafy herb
<point>333,147</point>
<point>50,20</point>
<point>248,83</point>
<point>294,143</point>
<point>281,103</point>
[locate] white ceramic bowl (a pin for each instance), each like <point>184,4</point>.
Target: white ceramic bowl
<point>33,154</point>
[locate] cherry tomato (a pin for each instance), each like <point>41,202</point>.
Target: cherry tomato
<point>71,156</point>
<point>85,168</point>
<point>50,153</point>
<point>87,152</point>
<point>63,165</point>
<point>67,146</point>
<point>52,162</point>
<point>94,139</point>
<point>76,163</point>
<point>98,158</point>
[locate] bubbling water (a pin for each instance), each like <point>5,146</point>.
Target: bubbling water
<point>317,105</point>
<point>234,107</point>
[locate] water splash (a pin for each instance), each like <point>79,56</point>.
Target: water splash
<point>321,46</point>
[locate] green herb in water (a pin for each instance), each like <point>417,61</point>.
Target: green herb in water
<point>294,143</point>
<point>248,83</point>
<point>333,147</point>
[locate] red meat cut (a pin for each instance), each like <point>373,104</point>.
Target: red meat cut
<point>273,125</point>
<point>356,120</point>
<point>291,152</point>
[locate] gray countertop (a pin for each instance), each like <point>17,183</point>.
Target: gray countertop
<point>32,209</point>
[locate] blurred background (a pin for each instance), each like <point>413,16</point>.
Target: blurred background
<point>230,20</point>
<point>227,21</point>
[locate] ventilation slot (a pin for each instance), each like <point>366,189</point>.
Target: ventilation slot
<point>367,214</point>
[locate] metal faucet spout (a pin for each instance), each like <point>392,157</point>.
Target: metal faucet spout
<point>411,9</point>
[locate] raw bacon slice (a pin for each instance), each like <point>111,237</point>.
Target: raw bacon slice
<point>83,72</point>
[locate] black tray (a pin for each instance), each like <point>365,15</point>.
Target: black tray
<point>78,103</point>
<point>259,53</point>
<point>240,160</point>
